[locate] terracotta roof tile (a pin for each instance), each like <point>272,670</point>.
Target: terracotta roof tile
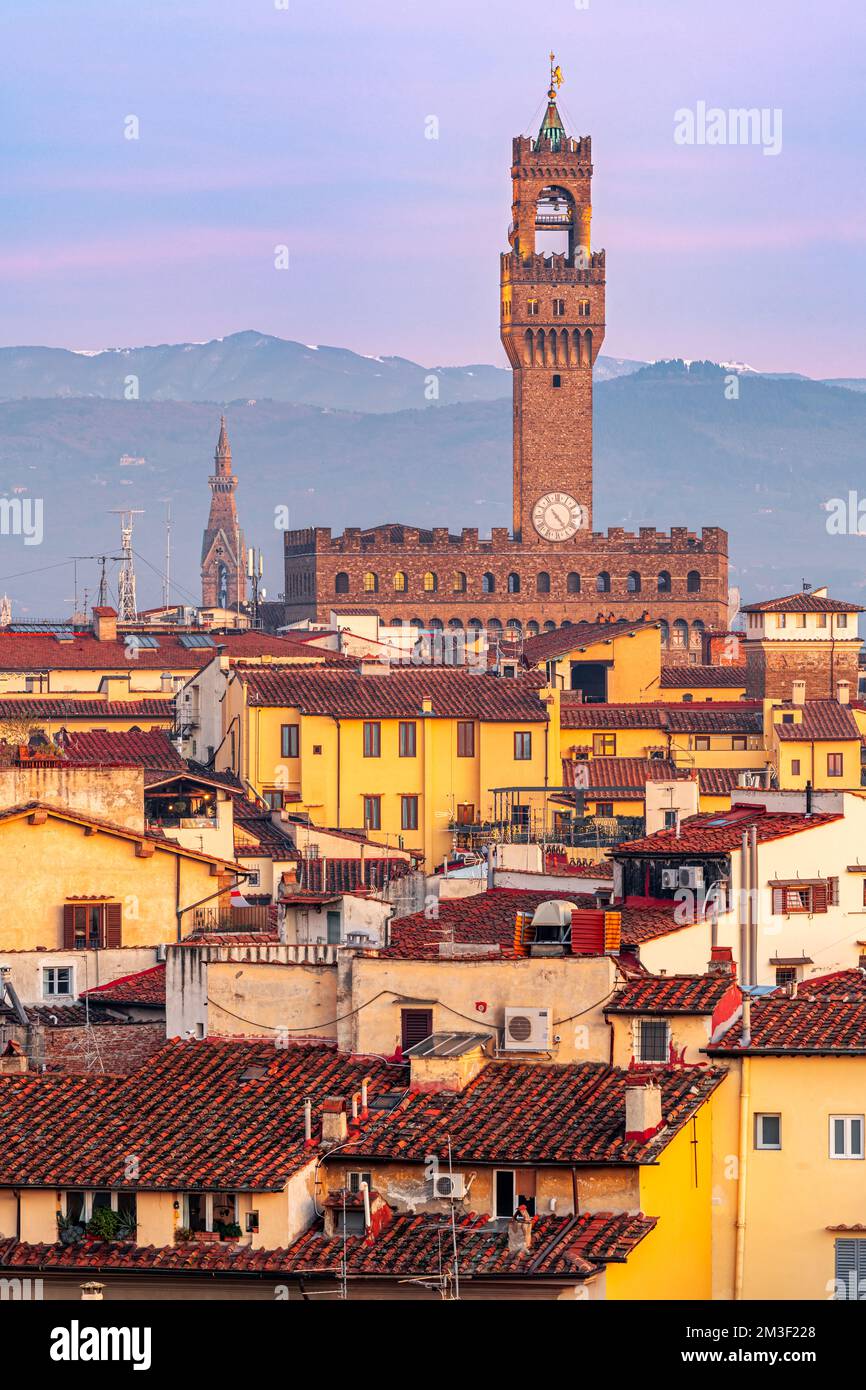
<point>738,717</point>
<point>547,646</point>
<point>849,985</point>
<point>801,603</point>
<point>671,994</point>
<point>717,832</point>
<point>621,774</point>
<point>144,987</point>
<point>814,1026</point>
<point>459,693</point>
<point>152,750</point>
<point>61,707</point>
<point>45,652</point>
<point>704,677</point>
<point>821,719</point>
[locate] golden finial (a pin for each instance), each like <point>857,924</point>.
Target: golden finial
<point>555,77</point>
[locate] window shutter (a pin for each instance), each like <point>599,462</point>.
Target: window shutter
<point>68,926</point>
<point>819,897</point>
<point>113,924</point>
<point>778,900</point>
<point>833,892</point>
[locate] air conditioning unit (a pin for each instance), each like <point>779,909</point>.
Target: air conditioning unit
<point>526,1030</point>
<point>691,876</point>
<point>670,878</point>
<point>451,1186</point>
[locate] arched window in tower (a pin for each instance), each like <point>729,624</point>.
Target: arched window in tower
<point>341,583</point>
<point>400,582</point>
<point>693,582</point>
<point>532,628</point>
<point>583,309</point>
<point>572,584</point>
<point>664,582</point>
<point>459,584</point>
<point>542,582</point>
<point>514,583</point>
<point>549,626</point>
<point>532,308</point>
<point>431,583</point>
<point>494,626</point>
<point>680,636</point>
<point>488,583</point>
<point>633,582</point>
<point>554,222</point>
<point>371,583</point>
<point>665,633</point>
<point>602,583</point>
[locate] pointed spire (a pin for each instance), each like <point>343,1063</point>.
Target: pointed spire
<point>223,453</point>
<point>552,127</point>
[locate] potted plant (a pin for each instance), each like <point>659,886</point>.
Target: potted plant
<point>182,1234</point>
<point>69,1232</point>
<point>230,1230</point>
<point>104,1224</point>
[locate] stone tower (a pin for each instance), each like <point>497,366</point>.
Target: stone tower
<point>552,327</point>
<point>223,554</point>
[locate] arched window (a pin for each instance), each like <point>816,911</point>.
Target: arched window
<point>459,585</point>
<point>680,633</point>
<point>341,583</point>
<point>488,584</point>
<point>475,625</point>
<point>697,638</point>
<point>664,582</point>
<point>455,624</point>
<point>549,626</point>
<point>371,583</point>
<point>665,631</point>
<point>532,628</point>
<point>494,625</point>
<point>542,583</point>
<point>431,583</point>
<point>693,582</point>
<point>633,582</point>
<point>515,627</point>
<point>396,622</point>
<point>572,584</point>
<point>436,625</point>
<point>514,583</point>
<point>602,583</point>
<point>416,622</point>
<point>400,582</point>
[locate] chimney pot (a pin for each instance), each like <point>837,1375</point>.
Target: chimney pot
<point>643,1108</point>
<point>520,1232</point>
<point>798,693</point>
<point>334,1124</point>
<point>843,692</point>
<point>722,961</point>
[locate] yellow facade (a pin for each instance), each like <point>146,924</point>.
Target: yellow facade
<point>830,764</point>
<point>633,661</point>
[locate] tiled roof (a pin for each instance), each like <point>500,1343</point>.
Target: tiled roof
<point>189,1115</point>
<point>161,842</point>
<point>547,646</point>
<point>488,919</point>
<point>74,1015</point>
<point>406,1247</point>
<point>671,994</point>
<point>520,1113</point>
<point>144,987</point>
<point>801,603</point>
<point>61,707</point>
<point>717,832</point>
<point>738,717</point>
<point>44,652</point>
<point>621,774</point>
<point>456,693</point>
<point>842,984</point>
<point>718,781</point>
<point>823,1024</point>
<point>821,719</point>
<point>686,677</point>
<point>152,750</point>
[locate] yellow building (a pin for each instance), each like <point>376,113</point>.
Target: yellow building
<point>702,684</point>
<point>404,754</point>
<point>615,660</point>
<point>23,715</point>
<point>813,741</point>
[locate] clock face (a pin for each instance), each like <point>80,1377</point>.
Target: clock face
<point>557,516</point>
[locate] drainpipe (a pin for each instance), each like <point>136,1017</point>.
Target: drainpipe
<point>754,908</point>
<point>743,901</point>
<point>742,1171</point>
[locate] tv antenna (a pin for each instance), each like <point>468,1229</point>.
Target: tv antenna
<point>127,609</point>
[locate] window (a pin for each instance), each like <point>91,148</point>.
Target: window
<point>465,738</point>
<point>693,582</point>
<point>399,582</point>
<point>602,583</point>
<point>702,743</point>
<point>768,1131</point>
<point>522,747</point>
<point>332,928</point>
<point>505,1193</point>
<point>408,739</point>
<point>604,745</point>
<point>739,743</point>
<point>532,308</point>
<point>795,767</point>
<point>514,583</point>
<point>408,813</point>
<point>822,619</point>
<point>372,813</point>
<point>557,380</point>
<point>488,584</point>
<point>850,1270</point>
<point>846,1136</point>
<point>542,582</point>
<point>572,584</point>
<point>372,739</point>
<point>56,981</point>
<point>431,583</point>
<point>803,897</point>
<point>371,583</point>
<point>786,974</point>
<point>37,685</point>
<point>275,799</point>
<point>842,620</point>
<point>341,583</point>
<point>415,1026</point>
<point>559,308</point>
<point>79,1206</point>
<point>91,926</point>
<point>670,819</point>
<point>290,741</point>
<point>664,582</point>
<point>466,814</point>
<point>604,809</point>
<point>459,584</point>
<point>583,309</point>
<point>354,1181</point>
<point>652,1040</point>
<point>787,718</point>
<point>210,1211</point>
<point>834,764</point>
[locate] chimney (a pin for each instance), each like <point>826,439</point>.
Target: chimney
<point>809,791</point>
<point>843,692</point>
<point>721,961</point>
<point>12,1059</point>
<point>91,1290</point>
<point>643,1108</point>
<point>746,1028</point>
<point>105,624</point>
<point>861,961</point>
<point>308,1121</point>
<point>798,693</point>
<point>334,1125</point>
<point>426,704</point>
<point>520,1232</point>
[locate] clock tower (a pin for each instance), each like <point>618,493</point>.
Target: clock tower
<point>552,327</point>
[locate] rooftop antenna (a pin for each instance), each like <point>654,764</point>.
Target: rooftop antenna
<point>166,583</point>
<point>127,609</point>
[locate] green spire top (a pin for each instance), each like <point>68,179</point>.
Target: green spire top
<point>552,128</point>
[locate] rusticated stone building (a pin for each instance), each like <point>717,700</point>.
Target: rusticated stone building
<point>552,567</point>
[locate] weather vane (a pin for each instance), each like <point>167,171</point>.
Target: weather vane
<point>555,77</point>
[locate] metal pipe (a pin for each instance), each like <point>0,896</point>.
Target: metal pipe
<point>742,1173</point>
<point>308,1121</point>
<point>742,908</point>
<point>367,1218</point>
<point>754,907</point>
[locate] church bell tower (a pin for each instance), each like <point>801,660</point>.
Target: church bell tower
<point>552,328</point>
<point>223,554</point>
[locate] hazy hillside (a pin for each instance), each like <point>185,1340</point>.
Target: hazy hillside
<point>670,449</point>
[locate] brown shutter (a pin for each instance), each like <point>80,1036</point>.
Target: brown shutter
<point>819,897</point>
<point>68,926</point>
<point>833,892</point>
<point>778,900</point>
<point>113,924</point>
